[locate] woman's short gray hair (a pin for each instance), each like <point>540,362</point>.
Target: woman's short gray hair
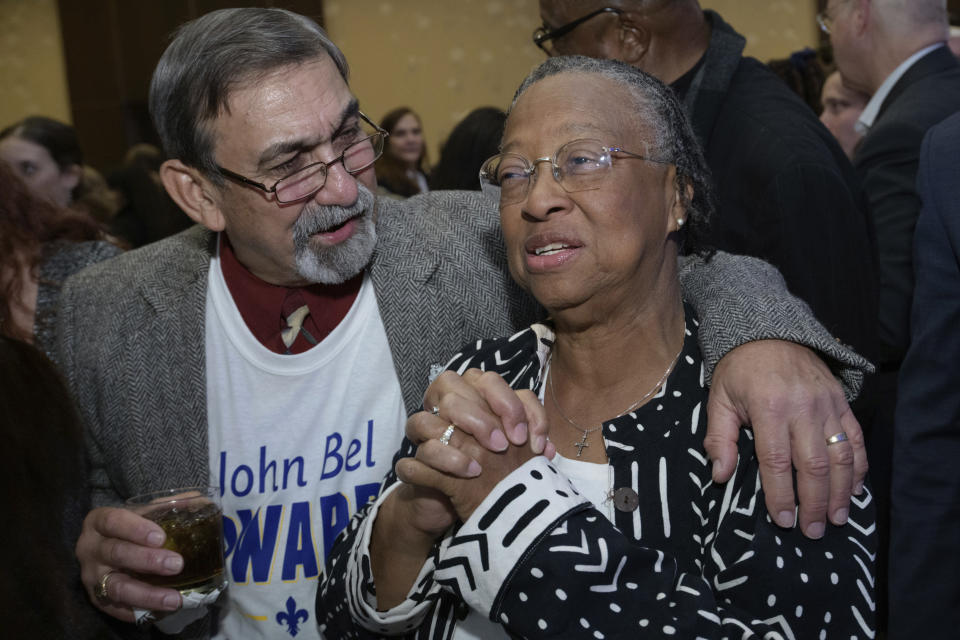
<point>674,141</point>
<point>211,56</point>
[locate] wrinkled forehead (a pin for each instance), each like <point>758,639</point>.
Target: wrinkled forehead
<point>299,102</point>
<point>308,79</point>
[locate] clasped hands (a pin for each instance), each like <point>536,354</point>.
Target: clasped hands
<point>784,391</point>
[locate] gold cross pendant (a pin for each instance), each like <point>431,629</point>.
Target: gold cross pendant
<point>580,445</point>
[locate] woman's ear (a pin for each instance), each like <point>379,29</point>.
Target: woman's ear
<point>193,193</point>
<point>678,209</point>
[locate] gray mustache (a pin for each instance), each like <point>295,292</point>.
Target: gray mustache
<point>317,217</point>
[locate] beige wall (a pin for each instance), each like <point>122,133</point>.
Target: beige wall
<point>32,74</point>
<point>440,57</point>
<point>444,57</point>
<point>773,28</point>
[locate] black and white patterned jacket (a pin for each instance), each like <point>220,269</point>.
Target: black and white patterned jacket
<point>695,559</point>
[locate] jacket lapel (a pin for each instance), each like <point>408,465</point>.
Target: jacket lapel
<point>170,343</point>
<point>402,268</point>
<point>702,101</point>
<point>937,61</point>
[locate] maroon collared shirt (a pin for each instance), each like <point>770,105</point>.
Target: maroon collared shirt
<point>264,306</point>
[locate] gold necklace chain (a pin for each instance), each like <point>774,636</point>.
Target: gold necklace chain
<point>586,432</point>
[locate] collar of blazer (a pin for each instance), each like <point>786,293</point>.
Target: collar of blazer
<point>171,268</point>
<point>410,237</point>
<point>937,61</point>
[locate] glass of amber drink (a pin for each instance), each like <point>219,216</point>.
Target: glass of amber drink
<point>193,521</point>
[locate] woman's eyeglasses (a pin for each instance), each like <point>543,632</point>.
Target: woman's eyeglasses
<point>580,165</point>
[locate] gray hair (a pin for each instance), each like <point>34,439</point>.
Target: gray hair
<point>212,55</point>
<point>658,108</point>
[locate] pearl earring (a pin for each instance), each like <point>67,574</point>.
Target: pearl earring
<point>680,222</point>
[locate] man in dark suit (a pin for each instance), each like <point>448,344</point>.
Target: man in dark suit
<point>894,51</point>
<point>925,520</point>
<point>785,191</point>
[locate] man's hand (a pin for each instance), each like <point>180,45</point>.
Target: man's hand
<point>792,401</point>
<point>119,541</point>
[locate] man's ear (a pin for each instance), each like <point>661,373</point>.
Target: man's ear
<point>634,38</point>
<point>860,14</point>
<point>193,193</point>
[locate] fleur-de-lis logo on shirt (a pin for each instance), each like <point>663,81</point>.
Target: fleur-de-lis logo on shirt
<point>292,617</point>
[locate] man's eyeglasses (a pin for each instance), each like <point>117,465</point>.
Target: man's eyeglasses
<point>580,165</point>
<point>545,38</point>
<point>306,181</point>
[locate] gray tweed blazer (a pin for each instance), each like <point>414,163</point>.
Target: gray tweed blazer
<point>131,334</point>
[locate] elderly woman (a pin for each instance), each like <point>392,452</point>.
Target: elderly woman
<point>623,533</point>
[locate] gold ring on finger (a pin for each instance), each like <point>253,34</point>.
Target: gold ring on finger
<point>100,590</point>
<point>837,437</point>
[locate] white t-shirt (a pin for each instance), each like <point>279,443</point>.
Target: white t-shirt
<point>297,444</point>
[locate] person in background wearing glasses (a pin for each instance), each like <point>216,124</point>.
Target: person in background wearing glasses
<point>895,51</point>
<point>275,349</point>
<point>623,533</point>
<point>784,190</point>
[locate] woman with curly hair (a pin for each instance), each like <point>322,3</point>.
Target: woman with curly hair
<point>40,246</point>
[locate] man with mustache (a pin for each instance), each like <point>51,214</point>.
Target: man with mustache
<point>276,349</point>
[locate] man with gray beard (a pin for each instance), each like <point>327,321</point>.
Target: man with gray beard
<point>275,349</point>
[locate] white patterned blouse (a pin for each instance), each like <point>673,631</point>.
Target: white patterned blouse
<point>683,557</point>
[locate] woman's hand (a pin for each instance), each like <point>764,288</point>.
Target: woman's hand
<point>793,402</point>
<point>465,494</point>
<point>434,493</point>
<point>483,405</point>
<point>408,523</point>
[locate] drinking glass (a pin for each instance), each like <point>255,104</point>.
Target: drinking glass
<point>193,521</point>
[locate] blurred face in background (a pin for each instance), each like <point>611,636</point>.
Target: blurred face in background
<point>37,168</point>
<point>406,140</point>
<point>841,110</point>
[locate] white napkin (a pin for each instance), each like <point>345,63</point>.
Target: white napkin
<point>193,608</point>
